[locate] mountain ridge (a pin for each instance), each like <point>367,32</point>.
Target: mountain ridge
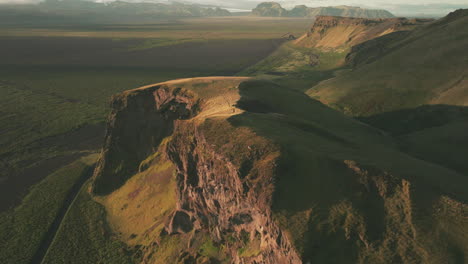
<point>250,175</point>
<point>443,83</point>
<point>275,9</point>
<point>332,32</point>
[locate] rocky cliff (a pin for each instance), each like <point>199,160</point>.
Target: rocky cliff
<point>341,33</point>
<point>232,170</point>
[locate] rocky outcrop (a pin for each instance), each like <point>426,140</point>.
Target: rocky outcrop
<point>252,178</point>
<point>227,197</point>
<point>341,33</point>
<point>149,111</point>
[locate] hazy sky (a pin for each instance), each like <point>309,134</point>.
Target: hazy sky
<point>398,7</point>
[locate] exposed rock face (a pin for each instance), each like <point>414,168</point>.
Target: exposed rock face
<point>151,112</point>
<point>229,195</point>
<point>330,32</point>
<point>253,179</point>
<point>222,195</point>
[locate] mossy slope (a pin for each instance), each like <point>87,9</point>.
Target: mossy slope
<point>275,160</point>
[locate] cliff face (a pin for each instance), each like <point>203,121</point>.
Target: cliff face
<point>341,33</point>
<point>231,170</point>
<point>230,197</point>
<point>224,191</point>
<point>152,113</point>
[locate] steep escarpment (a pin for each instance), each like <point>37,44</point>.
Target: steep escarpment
<point>223,179</point>
<point>253,172</point>
<point>424,66</point>
<point>341,33</point>
<point>152,118</point>
<point>334,42</point>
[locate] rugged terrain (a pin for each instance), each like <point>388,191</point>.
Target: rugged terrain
<point>371,169</point>
<point>413,85</point>
<point>274,9</point>
<point>56,82</point>
<point>331,32</point>
<point>430,62</point>
<point>237,170</point>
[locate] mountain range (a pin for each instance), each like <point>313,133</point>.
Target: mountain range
<point>79,11</point>
<point>274,9</point>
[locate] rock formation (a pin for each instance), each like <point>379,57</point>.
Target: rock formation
<point>341,33</point>
<point>223,170</point>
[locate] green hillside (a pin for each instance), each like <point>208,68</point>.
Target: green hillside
<point>430,65</point>
<point>346,145</point>
<point>329,181</point>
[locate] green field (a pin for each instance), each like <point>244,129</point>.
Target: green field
<point>25,231</point>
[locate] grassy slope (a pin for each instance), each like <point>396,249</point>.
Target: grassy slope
<point>23,229</point>
<point>342,185</point>
<point>430,65</point>
<point>426,66</point>
<point>444,145</point>
<point>433,132</point>
<point>84,236</point>
<point>314,181</point>
<point>296,67</point>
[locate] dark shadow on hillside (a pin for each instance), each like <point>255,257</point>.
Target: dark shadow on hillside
<point>309,179</point>
<point>306,178</point>
<point>304,80</point>
<point>407,121</point>
<point>435,133</point>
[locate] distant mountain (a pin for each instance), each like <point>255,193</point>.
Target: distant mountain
<point>274,9</point>
<point>270,9</point>
<point>53,11</point>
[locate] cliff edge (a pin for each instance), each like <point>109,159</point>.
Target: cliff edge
<point>236,170</point>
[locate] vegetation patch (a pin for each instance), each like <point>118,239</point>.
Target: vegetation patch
<point>25,229</point>
<point>85,237</point>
